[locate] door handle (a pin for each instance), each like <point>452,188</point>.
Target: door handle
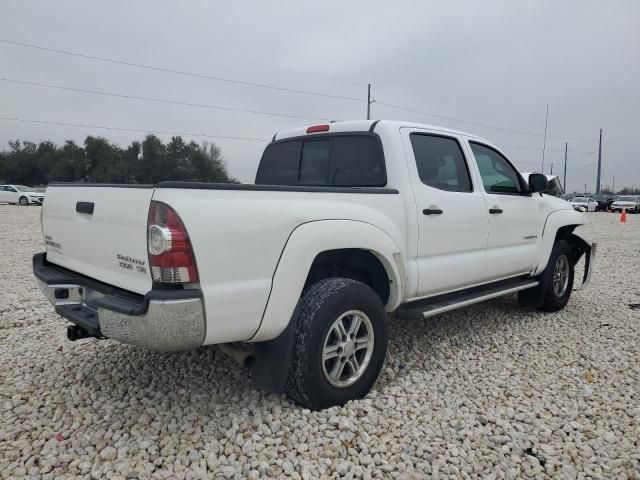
<point>494,211</point>
<point>85,207</point>
<point>432,211</point>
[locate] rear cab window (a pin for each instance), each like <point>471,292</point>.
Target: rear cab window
<point>353,159</point>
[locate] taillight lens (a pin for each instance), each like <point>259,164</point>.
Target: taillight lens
<point>170,254</point>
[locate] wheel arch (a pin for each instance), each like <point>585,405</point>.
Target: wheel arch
<point>338,243</point>
<point>559,224</point>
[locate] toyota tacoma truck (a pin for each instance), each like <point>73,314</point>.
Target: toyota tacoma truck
<point>346,223</point>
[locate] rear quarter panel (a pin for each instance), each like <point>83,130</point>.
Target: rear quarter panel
<point>238,237</point>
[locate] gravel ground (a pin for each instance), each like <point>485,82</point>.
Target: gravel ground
<point>490,391</point>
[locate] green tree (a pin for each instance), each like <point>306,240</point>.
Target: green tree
<point>149,161</point>
<point>105,162</point>
<point>154,164</point>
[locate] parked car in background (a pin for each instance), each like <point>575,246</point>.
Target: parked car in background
<point>584,204</point>
<point>631,203</point>
<point>345,222</point>
<point>604,202</point>
<point>20,194</point>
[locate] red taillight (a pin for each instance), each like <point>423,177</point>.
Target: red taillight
<point>170,255</point>
<point>318,128</point>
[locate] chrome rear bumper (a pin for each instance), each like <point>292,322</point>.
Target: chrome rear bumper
<point>164,320</point>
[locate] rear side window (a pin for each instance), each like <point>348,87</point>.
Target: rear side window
<point>441,163</point>
<point>330,160</point>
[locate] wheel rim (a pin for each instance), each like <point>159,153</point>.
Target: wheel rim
<point>347,348</point>
<point>23,201</point>
<point>561,276</point>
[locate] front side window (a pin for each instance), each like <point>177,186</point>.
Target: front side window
<point>498,176</point>
<point>335,160</point>
<point>440,162</point>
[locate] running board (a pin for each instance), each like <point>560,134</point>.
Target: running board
<point>462,298</point>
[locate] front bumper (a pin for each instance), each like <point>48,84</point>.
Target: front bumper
<point>618,208</point>
<point>164,320</point>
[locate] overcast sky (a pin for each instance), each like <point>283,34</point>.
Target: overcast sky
<point>494,63</point>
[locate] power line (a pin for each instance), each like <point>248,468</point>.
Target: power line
<point>540,149</point>
<point>272,87</point>
<point>483,125</point>
<point>569,165</point>
<point>179,72</point>
<point>159,132</point>
<point>174,47</point>
<point>157,100</point>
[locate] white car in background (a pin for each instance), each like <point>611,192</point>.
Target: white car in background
<point>584,204</point>
<point>20,194</point>
<point>630,203</point>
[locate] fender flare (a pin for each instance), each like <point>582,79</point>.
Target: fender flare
<point>303,245</point>
<point>554,222</point>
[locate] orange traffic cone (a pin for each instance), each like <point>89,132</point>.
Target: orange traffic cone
<point>623,215</point>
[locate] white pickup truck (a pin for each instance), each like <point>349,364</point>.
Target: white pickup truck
<point>346,223</point>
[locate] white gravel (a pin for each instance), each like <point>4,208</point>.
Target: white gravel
<point>490,391</point>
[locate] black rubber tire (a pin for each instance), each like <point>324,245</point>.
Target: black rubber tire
<point>319,306</point>
<point>24,201</point>
<point>549,301</point>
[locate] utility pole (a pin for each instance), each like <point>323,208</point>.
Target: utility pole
<point>551,173</point>
<point>368,101</point>
<point>564,187</point>
<point>585,188</point>
<point>544,144</point>
<point>613,181</point>
<point>599,163</point>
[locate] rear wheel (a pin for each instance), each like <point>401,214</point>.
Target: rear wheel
<point>24,201</point>
<point>340,344</point>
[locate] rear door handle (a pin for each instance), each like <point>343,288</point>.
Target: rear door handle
<point>432,211</point>
<point>494,211</point>
<point>85,207</point>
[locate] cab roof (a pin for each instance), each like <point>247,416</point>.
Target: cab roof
<point>366,125</point>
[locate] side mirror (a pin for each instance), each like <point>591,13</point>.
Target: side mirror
<point>538,182</point>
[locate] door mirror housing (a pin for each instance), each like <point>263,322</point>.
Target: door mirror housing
<point>538,182</point>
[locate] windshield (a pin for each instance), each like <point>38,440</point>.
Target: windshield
<point>22,188</point>
<point>626,199</point>
<point>579,199</point>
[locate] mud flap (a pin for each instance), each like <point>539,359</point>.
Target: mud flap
<point>270,369</point>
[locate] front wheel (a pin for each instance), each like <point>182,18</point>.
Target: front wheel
<point>340,343</point>
<point>556,281</point>
<point>23,201</point>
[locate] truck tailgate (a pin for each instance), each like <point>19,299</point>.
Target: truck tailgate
<point>100,232</point>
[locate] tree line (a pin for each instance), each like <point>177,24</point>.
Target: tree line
<point>101,161</point>
<point>623,191</point>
